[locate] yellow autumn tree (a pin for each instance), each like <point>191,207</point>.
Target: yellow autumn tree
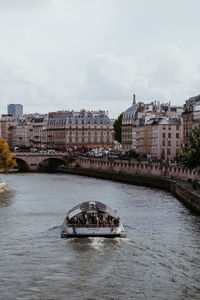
<point>6,159</point>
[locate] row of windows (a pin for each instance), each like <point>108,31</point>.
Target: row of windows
<point>169,127</point>
<point>170,135</point>
<point>169,143</point>
<point>81,127</point>
<point>79,134</point>
<point>76,121</point>
<point>95,140</point>
<point>169,151</point>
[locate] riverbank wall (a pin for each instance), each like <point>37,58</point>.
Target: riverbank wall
<point>170,178</point>
<point>3,187</point>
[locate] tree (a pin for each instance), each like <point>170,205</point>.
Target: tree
<point>190,156</point>
<point>6,159</point>
<point>118,128</point>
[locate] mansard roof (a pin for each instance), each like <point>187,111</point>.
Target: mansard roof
<point>79,117</point>
<point>131,112</point>
<point>193,100</point>
<point>171,121</point>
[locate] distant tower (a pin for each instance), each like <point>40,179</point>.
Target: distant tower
<point>134,101</point>
<point>16,110</point>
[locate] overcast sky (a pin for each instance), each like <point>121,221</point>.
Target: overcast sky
<point>94,54</point>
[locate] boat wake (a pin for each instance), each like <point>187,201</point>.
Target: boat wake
<point>128,226</point>
<point>54,232</point>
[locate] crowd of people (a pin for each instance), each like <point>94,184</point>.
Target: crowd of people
<point>100,220</point>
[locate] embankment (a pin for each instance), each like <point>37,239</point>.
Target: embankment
<point>180,189</point>
<point>3,187</point>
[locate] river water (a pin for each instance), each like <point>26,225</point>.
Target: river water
<point>159,259</point>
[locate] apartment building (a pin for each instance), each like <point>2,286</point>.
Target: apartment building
<point>6,121</point>
<point>190,117</point>
<point>166,139</point>
<point>66,129</point>
<point>153,129</point>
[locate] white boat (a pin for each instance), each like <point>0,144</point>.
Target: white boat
<point>92,219</point>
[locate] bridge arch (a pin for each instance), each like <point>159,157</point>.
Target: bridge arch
<point>51,164</point>
<point>22,165</point>
<point>43,162</point>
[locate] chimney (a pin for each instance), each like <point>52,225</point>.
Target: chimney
<point>134,101</point>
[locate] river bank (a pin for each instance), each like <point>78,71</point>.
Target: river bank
<point>3,186</point>
<point>181,189</point>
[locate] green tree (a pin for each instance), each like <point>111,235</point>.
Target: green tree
<point>118,128</point>
<point>190,156</point>
<point>6,159</point>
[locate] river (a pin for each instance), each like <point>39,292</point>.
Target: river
<point>159,259</point>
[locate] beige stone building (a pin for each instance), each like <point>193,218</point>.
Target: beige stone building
<point>144,144</point>
<point>59,130</point>
<point>6,121</point>
<point>129,122</point>
<point>166,139</point>
<point>19,135</point>
<point>190,117</point>
<point>66,129</point>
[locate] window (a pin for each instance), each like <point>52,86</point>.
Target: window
<point>177,127</point>
<point>169,143</point>
<point>168,151</point>
<point>169,135</point>
<point>163,143</point>
<point>163,134</point>
<point>177,135</point>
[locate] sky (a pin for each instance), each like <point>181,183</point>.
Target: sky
<point>94,54</point>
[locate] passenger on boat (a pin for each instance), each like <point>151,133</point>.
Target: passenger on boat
<point>98,220</point>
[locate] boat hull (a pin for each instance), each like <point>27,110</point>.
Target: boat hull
<point>66,235</point>
<point>85,232</point>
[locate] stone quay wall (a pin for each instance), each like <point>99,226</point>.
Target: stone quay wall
<point>170,178</point>
<point>169,171</point>
<point>3,186</point>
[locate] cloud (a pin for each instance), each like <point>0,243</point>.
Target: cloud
<point>106,82</point>
<point>18,5</point>
<point>164,73</point>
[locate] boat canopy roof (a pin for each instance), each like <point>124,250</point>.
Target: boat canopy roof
<point>90,207</point>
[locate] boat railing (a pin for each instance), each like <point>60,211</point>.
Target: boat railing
<point>92,225</point>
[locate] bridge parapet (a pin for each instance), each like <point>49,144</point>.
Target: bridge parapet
<point>33,161</point>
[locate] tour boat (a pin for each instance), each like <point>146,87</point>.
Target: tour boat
<point>92,219</point>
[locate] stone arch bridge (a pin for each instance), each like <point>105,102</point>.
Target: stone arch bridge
<point>27,161</point>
